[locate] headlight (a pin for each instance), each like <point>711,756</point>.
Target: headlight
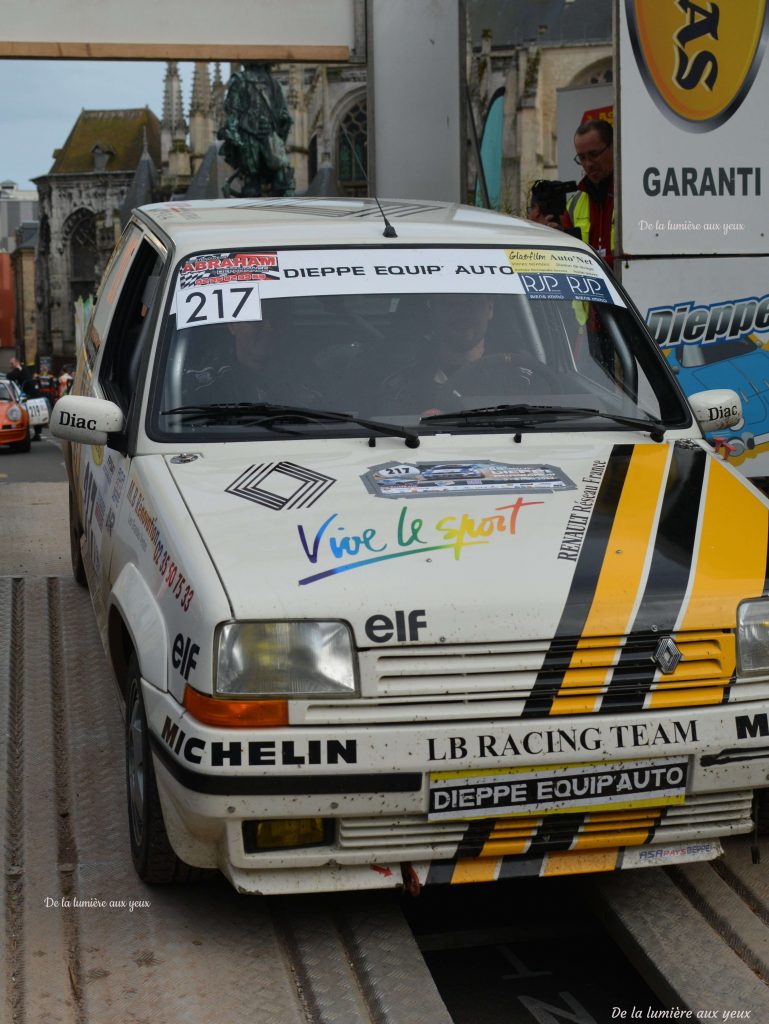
<point>753,638</point>
<point>285,659</point>
<point>14,414</point>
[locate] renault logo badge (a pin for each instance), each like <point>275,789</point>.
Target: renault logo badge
<point>667,656</point>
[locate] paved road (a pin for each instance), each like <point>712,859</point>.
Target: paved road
<point>43,463</point>
<point>34,540</point>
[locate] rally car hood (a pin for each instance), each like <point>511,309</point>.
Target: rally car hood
<point>495,543</point>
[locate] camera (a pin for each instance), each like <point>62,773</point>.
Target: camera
<point>550,196</point>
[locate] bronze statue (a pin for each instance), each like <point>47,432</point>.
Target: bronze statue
<point>255,132</point>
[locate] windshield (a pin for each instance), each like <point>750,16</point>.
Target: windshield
<point>5,392</point>
<point>397,337</point>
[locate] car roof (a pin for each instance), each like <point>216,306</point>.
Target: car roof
<point>213,224</point>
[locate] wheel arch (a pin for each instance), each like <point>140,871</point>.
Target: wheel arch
<point>135,624</point>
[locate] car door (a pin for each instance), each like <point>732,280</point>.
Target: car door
<point>118,336</point>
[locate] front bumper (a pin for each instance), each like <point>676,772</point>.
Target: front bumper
<point>15,433</point>
<point>374,785</point>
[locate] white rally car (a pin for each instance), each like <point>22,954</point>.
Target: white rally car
<point>408,553</point>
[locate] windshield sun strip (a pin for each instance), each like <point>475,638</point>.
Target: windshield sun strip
<point>155,428</point>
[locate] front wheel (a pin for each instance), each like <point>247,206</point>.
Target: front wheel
<point>75,554</point>
<point>153,856</point>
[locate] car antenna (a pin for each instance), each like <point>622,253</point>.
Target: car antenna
<point>389,231</point>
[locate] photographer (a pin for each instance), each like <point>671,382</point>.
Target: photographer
<point>547,203</point>
<point>589,212</point>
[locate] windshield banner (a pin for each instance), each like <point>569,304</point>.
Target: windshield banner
<point>225,287</point>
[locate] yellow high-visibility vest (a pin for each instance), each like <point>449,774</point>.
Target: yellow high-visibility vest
<point>578,209</point>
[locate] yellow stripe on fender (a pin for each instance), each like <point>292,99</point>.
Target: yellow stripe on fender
<point>731,561</point>
<point>622,572</point>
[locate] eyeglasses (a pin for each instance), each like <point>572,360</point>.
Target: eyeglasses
<point>593,155</point>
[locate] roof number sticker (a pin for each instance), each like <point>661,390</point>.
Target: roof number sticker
<point>223,304</point>
<point>223,287</point>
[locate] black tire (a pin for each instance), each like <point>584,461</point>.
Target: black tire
<point>75,554</point>
<point>761,811</point>
<point>152,854</point>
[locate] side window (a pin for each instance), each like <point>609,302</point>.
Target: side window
<point>128,329</point>
<point>104,307</point>
<point>109,289</point>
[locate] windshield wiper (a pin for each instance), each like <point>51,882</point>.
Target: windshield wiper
<point>265,413</point>
<point>527,415</point>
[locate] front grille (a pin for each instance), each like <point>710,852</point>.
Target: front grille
<point>592,675</point>
<point>416,838</point>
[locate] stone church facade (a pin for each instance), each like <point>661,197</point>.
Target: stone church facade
<point>79,214</point>
<point>519,59</point>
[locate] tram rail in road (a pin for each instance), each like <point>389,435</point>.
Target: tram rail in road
<point>85,941</point>
<point>118,950</point>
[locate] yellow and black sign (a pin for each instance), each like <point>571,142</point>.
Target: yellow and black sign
<point>698,60</point>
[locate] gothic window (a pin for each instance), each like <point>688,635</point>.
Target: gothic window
<point>80,231</point>
<point>600,73</point>
<point>352,151</point>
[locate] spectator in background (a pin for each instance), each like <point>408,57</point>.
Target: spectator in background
<point>24,378</point>
<point>590,211</point>
<point>65,381</point>
<point>18,372</point>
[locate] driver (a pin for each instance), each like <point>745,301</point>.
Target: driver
<point>259,367</point>
<point>453,359</point>
<point>455,339</point>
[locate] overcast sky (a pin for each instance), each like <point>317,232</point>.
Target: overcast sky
<point>41,99</point>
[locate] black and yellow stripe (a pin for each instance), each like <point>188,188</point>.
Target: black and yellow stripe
<point>675,542</point>
<point>732,555</point>
<point>583,586</point>
<point>620,580</point>
<point>668,577</point>
<point>731,565</point>
<point>559,844</point>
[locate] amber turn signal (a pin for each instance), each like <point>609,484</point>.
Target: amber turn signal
<point>235,714</point>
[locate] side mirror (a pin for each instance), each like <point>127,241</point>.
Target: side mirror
<point>86,420</point>
<point>720,409</point>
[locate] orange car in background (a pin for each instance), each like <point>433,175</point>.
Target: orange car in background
<point>14,419</point>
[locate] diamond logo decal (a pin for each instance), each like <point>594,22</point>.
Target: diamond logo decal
<point>667,656</point>
<point>280,485</point>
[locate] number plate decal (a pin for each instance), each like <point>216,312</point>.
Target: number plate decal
<point>557,788</point>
